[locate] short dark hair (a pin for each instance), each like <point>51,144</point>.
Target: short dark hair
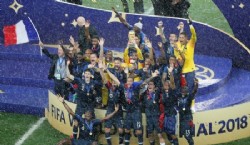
<point>184,33</point>
<point>94,54</point>
<point>153,81</point>
<point>172,56</point>
<point>87,70</point>
<point>95,37</point>
<point>138,36</point>
<point>118,58</point>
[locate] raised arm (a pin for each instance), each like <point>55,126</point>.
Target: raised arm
<point>164,75</point>
<point>87,33</point>
<point>192,30</point>
<point>170,71</point>
<point>180,27</point>
<point>154,74</point>
<point>101,67</point>
<point>113,77</point>
<point>112,114</point>
<point>160,45</point>
<point>121,18</point>
<point>45,51</point>
<point>196,86</point>
<point>151,54</point>
<point>101,43</point>
<point>70,76</point>
<point>61,99</point>
<point>180,52</point>
<point>163,37</point>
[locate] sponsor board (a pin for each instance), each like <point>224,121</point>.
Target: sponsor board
<point>211,127</point>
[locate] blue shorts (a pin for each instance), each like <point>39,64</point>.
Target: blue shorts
<point>153,124</point>
<point>186,125</point>
<point>81,142</point>
<point>133,119</point>
<point>170,125</point>
<point>117,120</point>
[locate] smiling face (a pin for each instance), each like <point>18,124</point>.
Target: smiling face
<point>88,115</point>
<point>172,38</point>
<point>183,39</point>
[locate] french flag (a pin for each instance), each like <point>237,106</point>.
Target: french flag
<point>23,32</point>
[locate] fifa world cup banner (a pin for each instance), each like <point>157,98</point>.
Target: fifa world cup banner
<point>211,127</point>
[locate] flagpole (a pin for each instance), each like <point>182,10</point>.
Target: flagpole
<point>41,53</point>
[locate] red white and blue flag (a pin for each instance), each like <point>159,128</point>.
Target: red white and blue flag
<point>22,32</point>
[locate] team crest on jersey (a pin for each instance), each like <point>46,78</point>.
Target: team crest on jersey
<point>83,127</point>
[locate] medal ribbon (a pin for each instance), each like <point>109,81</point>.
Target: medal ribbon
<point>89,126</point>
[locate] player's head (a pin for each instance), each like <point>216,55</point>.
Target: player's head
<point>166,85</point>
<point>134,55</point>
<point>131,35</point>
<point>93,57</point>
<point>151,85</point>
<point>87,74</point>
<point>130,81</point>
<point>109,56</point>
<point>95,41</point>
<point>117,63</point>
<point>172,59</point>
<point>147,63</point>
<point>61,50</point>
<point>88,115</point>
<point>87,53</point>
<point>79,56</point>
<point>161,61</point>
<point>172,37</point>
<point>183,38</point>
<point>138,27</point>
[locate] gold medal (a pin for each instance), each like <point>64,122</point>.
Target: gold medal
<point>90,133</point>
